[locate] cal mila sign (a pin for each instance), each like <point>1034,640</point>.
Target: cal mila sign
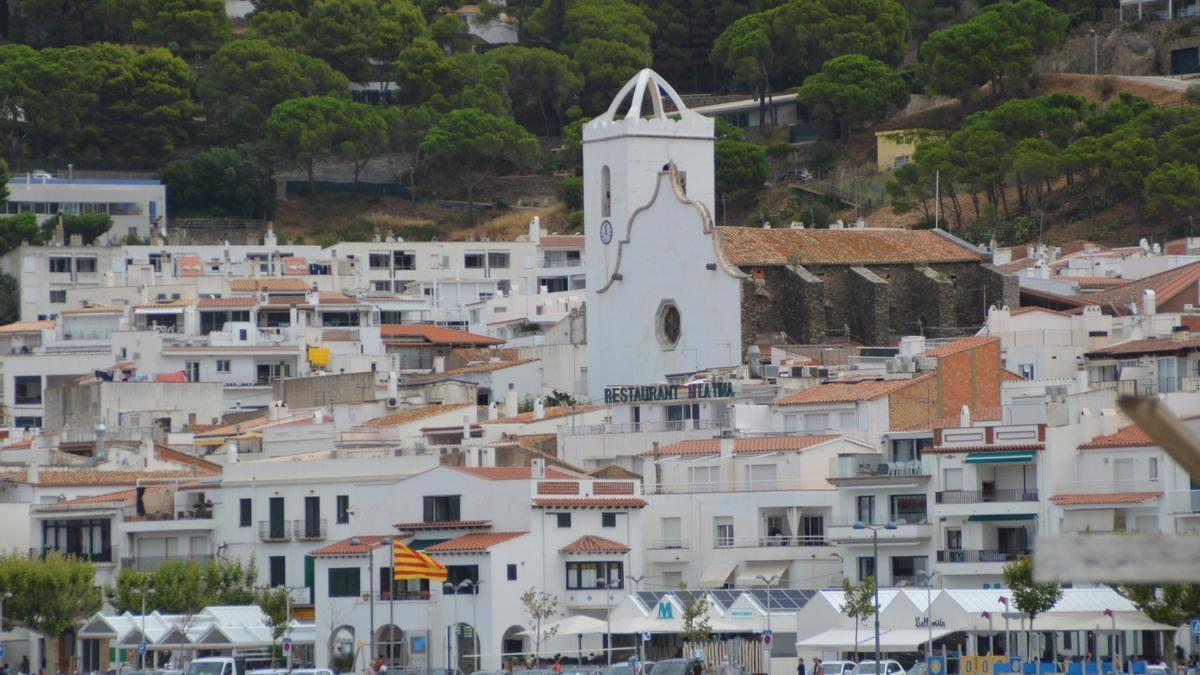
<point>668,392</point>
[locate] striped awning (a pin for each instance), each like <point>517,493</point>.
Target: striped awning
<point>999,457</point>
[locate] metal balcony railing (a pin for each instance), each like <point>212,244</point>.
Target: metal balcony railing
<point>980,556</point>
<point>277,530</point>
<point>674,544</point>
<point>985,496</point>
<point>309,530</point>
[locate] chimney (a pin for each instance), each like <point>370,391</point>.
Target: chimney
<point>1081,380</point>
<point>471,457</point>
<point>439,364</point>
<point>231,453</point>
<point>393,390</point>
<point>1180,334</point>
<point>510,401</point>
<point>964,417</point>
<point>539,409</point>
<point>318,418</point>
<point>535,230</point>
<point>33,474</point>
<point>466,430</point>
<point>1148,302</point>
<point>727,446</point>
<point>537,468</point>
<point>912,345</point>
<point>101,449</point>
<point>493,411</point>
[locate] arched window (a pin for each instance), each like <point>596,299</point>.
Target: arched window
<point>605,193</point>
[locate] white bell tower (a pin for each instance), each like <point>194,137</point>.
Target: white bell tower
<point>623,154</point>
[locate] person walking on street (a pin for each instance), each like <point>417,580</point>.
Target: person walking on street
<point>800,666</point>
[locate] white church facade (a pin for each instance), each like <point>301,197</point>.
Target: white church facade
<point>662,298</point>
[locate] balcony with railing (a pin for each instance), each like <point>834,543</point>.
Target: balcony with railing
<point>966,556</point>
<point>403,595</point>
<point>640,427</point>
<point>910,527</point>
<point>986,496</point>
<point>1183,503</point>
<point>153,562</point>
<point>309,530</point>
<point>873,468</point>
<point>1118,487</point>
<point>274,531</point>
<point>105,555</point>
<point>764,485</point>
<point>780,540</point>
<point>674,544</point>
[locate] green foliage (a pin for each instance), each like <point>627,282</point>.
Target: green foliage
<point>859,603</point>
<point>571,156</point>
<point>997,46</point>
<point>3,181</point>
<point>541,82</point>
<point>570,191</point>
<point>361,133</point>
<point>304,130</point>
<point>67,100</point>
<point>275,602</point>
<point>1172,604</point>
<point>222,182</point>
<point>1029,596</point>
<point>10,299</point>
<point>540,606</point>
<point>1173,188</point>
<point>184,587</point>
<point>855,88</point>
<point>58,23</point>
<point>245,79</point>
<point>560,398</point>
<point>789,41</point>
<point>87,225</point>
<point>184,26</point>
<point>425,75</point>
<point>474,145</point>
<point>50,594</point>
<point>694,615</point>
<point>15,229</point>
<point>740,166</point>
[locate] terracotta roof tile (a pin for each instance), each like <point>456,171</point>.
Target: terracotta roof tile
<point>590,502</point>
<point>590,543</point>
<point>190,265</point>
<point>844,392</point>
<point>436,335</point>
<point>27,326</point>
<point>95,309</point>
<point>756,246</point>
<point>1107,498</point>
<point>563,240</point>
<point>82,477</point>
<point>741,446</point>
<point>414,414</point>
<point>1008,447</point>
<point>475,542</point>
<point>164,304</point>
<point>1166,286</point>
<point>1007,375</point>
<point>444,525</point>
<point>207,303</point>
<point>1025,310</point>
<point>121,496</point>
<point>333,298</point>
<point>552,412</point>
<point>1107,282</point>
<point>515,472</point>
<point>961,345</point>
<point>1148,346</point>
<point>1130,436</point>
<point>347,547</point>
<point>23,443</point>
<point>268,283</point>
<point>295,266</point>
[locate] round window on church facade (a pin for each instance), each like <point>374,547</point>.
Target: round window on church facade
<point>668,324</point>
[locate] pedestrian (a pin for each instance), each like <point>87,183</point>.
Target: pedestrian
<point>800,666</point>
<point>817,668</point>
<point>697,667</point>
<point>557,667</point>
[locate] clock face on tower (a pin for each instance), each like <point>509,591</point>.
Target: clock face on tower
<point>605,232</point>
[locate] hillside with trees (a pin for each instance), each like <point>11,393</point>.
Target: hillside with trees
<point>401,102</point>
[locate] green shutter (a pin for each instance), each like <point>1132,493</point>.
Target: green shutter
<point>309,571</point>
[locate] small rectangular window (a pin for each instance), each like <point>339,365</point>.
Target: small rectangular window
<point>564,519</point>
<point>512,572</point>
<point>344,582</point>
<point>608,520</point>
<point>343,508</point>
<point>278,571</point>
<point>60,265</point>
<point>473,261</point>
<point>1153,468</point>
<point>85,265</point>
<point>223,366</point>
<point>245,515</point>
<point>58,295</point>
<point>498,260</point>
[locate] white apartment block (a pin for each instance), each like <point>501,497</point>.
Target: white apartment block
<point>138,207</point>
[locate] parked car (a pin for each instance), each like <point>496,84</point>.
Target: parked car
<point>672,667</point>
<point>1157,670</point>
<point>886,668</point>
<point>326,671</point>
<point>837,667</point>
<point>39,174</point>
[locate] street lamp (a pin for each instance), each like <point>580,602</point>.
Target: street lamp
<point>474,586</point>
<point>608,647</point>
<point>141,654</point>
<point>452,631</point>
<point>768,582</point>
<point>637,581</point>
<point>875,568</point>
<point>386,541</point>
<point>928,577</point>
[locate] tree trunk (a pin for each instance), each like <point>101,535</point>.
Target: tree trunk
<point>357,168</point>
<point>471,203</point>
<point>412,180</point>
<point>312,182</point>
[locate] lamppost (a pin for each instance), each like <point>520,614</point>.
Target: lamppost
<point>142,655</point>
<point>288,614</point>
<point>928,577</point>
<point>3,596</point>
<point>608,648</point>
<point>474,586</point>
<point>768,582</point>
<point>386,541</point>
<point>637,581</point>
<point>875,568</point>
<point>452,631</point>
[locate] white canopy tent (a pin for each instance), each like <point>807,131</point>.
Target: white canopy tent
<point>572,625</point>
<point>893,639</point>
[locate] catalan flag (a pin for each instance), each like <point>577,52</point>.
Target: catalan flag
<point>410,564</point>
